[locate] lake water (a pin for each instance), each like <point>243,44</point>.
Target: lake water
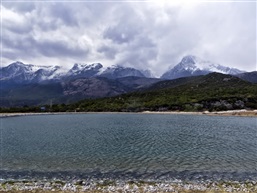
<point>141,146</point>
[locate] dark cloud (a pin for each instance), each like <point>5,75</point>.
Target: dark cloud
<point>19,49</point>
<point>153,35</point>
<point>121,33</point>
<point>20,7</point>
<point>140,53</point>
<point>108,52</point>
<point>20,30</point>
<point>51,48</point>
<point>52,17</point>
<point>25,44</point>
<point>139,58</point>
<point>64,13</point>
<point>29,46</point>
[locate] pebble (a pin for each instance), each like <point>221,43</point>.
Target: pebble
<point>126,186</point>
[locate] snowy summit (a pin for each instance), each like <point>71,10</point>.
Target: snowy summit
<point>193,66</point>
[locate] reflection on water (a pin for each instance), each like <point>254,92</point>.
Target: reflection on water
<point>140,145</point>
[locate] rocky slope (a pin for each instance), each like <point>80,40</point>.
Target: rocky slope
<point>248,76</point>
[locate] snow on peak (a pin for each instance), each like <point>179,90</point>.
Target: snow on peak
<point>189,59</point>
<point>194,63</point>
<point>17,63</point>
<point>86,70</point>
<point>82,67</point>
<point>191,65</point>
<point>118,71</point>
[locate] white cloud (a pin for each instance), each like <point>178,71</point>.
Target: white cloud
<point>152,35</point>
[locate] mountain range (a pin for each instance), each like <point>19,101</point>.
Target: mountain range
<point>19,72</point>
<point>214,91</point>
<point>28,84</point>
<point>190,65</point>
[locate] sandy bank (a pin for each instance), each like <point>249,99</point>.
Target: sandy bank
<point>30,114</point>
<point>243,113</point>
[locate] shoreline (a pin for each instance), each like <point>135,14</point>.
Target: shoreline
<point>108,185</point>
<point>241,113</point>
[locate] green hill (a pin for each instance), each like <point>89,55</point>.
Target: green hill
<point>214,91</point>
<point>211,92</point>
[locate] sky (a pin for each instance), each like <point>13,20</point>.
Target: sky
<point>152,35</point>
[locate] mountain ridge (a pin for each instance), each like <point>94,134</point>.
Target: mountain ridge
<point>21,82</point>
<point>213,91</point>
<point>249,76</point>
<point>191,65</point>
<point>19,72</point>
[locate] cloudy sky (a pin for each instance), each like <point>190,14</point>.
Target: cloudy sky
<point>151,35</point>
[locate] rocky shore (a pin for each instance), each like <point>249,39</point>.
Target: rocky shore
<point>99,186</point>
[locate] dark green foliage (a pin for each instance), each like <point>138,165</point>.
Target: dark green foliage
<point>213,92</point>
<point>198,94</point>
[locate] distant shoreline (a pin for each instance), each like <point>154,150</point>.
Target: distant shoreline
<point>242,113</point>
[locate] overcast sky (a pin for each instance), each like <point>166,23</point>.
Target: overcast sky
<point>146,35</point>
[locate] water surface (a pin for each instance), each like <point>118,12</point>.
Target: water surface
<point>158,146</point>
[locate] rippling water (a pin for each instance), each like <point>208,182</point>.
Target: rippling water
<point>156,146</point>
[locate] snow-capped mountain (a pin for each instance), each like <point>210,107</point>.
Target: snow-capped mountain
<point>192,66</point>
<point>19,72</point>
<point>85,70</point>
<point>116,71</point>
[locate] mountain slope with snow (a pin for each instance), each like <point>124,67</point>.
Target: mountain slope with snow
<point>85,70</point>
<point>19,72</point>
<point>27,84</point>
<point>27,73</point>
<point>193,66</point>
<point>115,71</point>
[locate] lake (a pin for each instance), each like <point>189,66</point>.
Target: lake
<point>138,146</point>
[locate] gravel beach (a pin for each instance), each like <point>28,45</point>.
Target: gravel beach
<point>99,186</point>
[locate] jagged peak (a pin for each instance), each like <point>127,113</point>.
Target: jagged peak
<point>196,63</point>
<point>192,59</point>
<point>17,63</point>
<point>78,66</point>
<point>189,59</point>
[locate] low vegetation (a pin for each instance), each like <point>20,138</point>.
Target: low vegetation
<point>213,92</point>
